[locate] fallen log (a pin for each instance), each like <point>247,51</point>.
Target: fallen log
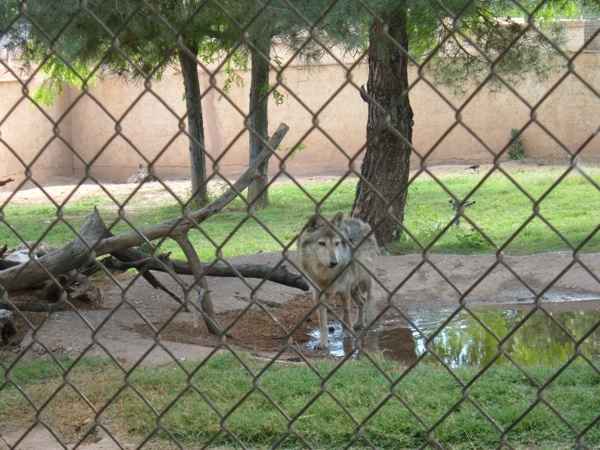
<point>280,275</point>
<point>129,255</point>
<point>7,264</point>
<point>76,254</point>
<point>91,242</point>
<point>28,306</point>
<point>73,284</point>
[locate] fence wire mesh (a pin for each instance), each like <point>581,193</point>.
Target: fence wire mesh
<point>143,326</point>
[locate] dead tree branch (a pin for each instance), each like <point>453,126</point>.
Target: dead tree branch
<point>206,305</point>
<point>280,275</point>
<point>91,242</point>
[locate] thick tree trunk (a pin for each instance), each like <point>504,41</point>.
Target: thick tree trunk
<point>189,70</point>
<point>382,188</point>
<point>258,194</point>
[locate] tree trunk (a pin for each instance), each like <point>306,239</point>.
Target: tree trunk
<point>382,188</point>
<point>189,70</point>
<point>258,194</point>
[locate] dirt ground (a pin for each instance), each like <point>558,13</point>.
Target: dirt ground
<point>136,323</point>
<point>131,314</point>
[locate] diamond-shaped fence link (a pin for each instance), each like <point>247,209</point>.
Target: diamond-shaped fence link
<point>170,176</point>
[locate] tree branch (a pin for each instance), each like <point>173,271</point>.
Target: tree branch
<point>280,275</point>
<point>91,242</point>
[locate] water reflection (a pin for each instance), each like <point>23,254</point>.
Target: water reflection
<point>465,341</point>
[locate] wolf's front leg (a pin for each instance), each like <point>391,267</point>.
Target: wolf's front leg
<point>360,301</point>
<point>323,342</point>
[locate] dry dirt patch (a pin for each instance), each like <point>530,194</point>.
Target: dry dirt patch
<point>126,320</point>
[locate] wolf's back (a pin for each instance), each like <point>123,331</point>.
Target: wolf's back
<point>360,236</point>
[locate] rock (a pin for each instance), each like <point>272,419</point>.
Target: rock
<point>7,325</point>
<point>21,253</point>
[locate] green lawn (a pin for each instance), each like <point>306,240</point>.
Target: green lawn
<point>503,216</point>
<point>328,405</point>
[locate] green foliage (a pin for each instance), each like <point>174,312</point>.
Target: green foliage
<point>238,59</point>
<point>290,152</point>
<point>516,149</point>
<point>75,42</point>
<point>471,239</point>
<point>468,42</point>
<point>277,95</point>
<point>56,72</point>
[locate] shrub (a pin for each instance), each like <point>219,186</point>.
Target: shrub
<point>516,150</point>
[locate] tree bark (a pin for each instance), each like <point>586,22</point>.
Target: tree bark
<point>382,188</point>
<point>258,194</point>
<point>28,306</point>
<point>206,304</point>
<point>74,255</point>
<point>193,103</point>
<point>280,275</point>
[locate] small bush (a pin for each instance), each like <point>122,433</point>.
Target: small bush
<point>516,150</point>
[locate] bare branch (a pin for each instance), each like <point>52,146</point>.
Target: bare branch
<point>91,241</point>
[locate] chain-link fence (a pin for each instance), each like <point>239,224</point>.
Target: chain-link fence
<point>182,309</point>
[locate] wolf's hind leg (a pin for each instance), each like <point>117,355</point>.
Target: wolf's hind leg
<point>346,317</point>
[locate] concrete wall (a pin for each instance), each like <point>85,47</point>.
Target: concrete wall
<point>115,126</point>
<point>30,143</point>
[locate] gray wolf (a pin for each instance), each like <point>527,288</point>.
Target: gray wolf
<point>142,175</point>
<point>338,257</point>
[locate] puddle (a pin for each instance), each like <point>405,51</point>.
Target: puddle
<point>465,341</point>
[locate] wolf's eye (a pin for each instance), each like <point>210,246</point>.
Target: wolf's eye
<point>322,244</point>
<point>337,243</point>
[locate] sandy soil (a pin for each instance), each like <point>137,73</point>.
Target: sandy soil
<point>131,315</point>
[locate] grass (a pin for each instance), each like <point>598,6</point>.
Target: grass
<point>326,405</point>
<point>503,214</point>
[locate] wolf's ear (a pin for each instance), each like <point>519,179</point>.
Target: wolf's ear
<point>313,222</point>
<point>338,219</point>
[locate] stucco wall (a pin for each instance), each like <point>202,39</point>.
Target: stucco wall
<point>29,141</point>
<point>115,125</point>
